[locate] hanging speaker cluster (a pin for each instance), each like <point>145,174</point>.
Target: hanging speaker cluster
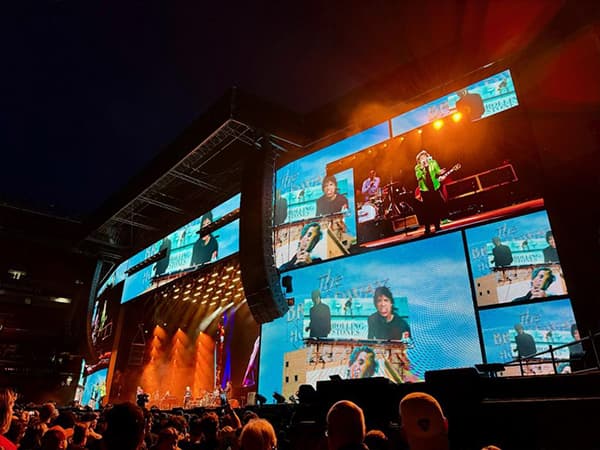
<point>260,276</point>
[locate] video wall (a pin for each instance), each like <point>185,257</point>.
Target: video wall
<point>184,250</point>
<point>367,188</point>
<point>94,388</point>
<point>393,312</point>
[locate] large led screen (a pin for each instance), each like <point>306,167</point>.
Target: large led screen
<point>393,183</point>
<point>524,330</point>
<point>515,260</point>
<point>94,389</point>
<point>393,312</point>
<point>184,251</point>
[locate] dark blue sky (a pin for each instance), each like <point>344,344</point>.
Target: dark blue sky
<point>92,90</point>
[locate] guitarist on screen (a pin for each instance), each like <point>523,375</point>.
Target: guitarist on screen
<point>429,177</point>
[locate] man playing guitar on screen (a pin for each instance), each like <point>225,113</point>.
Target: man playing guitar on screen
<point>429,178</point>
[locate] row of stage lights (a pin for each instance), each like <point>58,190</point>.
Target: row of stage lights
<point>222,284</point>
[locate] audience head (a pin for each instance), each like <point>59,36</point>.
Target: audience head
<point>345,425</point>
<point>377,440</point>
<point>48,412</point>
<point>7,402</point>
<point>167,439</point>
<point>258,434</point>
<point>209,425</point>
<point>80,434</point>
<point>423,422</point>
<point>54,439</point>
<point>124,427</point>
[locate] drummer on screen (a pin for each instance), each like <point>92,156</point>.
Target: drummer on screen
<point>370,185</point>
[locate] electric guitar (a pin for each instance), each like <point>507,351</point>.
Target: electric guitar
<point>443,175</point>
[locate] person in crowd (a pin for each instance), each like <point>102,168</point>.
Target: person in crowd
<point>16,431</point>
<point>576,351</point>
<point>370,186</point>
<point>386,323</point>
<point>48,413</point>
<point>541,279</point>
<point>209,426</point>
<point>331,201</point>
<point>550,253</point>
<point>309,238</point>
<point>7,402</point>
<point>345,427</point>
<point>525,342</point>
<point>377,440</point>
<point>80,435</point>
<point>206,248</point>
<point>502,254</point>
<point>124,427</point>
<point>167,439</point>
<point>320,317</point>
<point>429,181</point>
<point>423,422</point>
<point>258,434</point>
<point>54,439</point>
<point>362,363</point>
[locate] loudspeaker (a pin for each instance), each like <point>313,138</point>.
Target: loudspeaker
<point>260,276</point>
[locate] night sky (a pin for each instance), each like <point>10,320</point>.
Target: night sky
<point>92,90</point>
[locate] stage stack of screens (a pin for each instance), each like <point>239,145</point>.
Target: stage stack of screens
<point>373,293</point>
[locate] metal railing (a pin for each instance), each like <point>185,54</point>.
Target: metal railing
<point>537,358</point>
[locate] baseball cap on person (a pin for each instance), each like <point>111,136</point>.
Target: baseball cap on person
<point>424,423</point>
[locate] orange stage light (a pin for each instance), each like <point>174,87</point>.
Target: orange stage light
<point>438,124</point>
<point>420,131</point>
<point>457,116</point>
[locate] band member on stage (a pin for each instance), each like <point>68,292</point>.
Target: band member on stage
<point>187,397</point>
<point>370,186</point>
<point>386,323</point>
<point>320,317</point>
<point>309,237</point>
<point>227,389</point>
<point>331,201</point>
<point>428,174</point>
<point>206,248</point>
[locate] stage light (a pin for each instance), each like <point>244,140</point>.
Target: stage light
<point>457,116</point>
<point>438,124</point>
<point>260,399</point>
<point>221,284</point>
<point>164,324</point>
<point>210,289</point>
<point>420,131</point>
<point>401,138</point>
<point>196,294</point>
<point>176,296</point>
<point>211,282</point>
<point>278,397</point>
<point>176,289</point>
<point>214,274</point>
<point>194,301</point>
<point>229,268</point>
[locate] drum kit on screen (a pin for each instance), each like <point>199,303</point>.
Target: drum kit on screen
<point>390,202</point>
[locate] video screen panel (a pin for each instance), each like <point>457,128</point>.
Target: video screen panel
<point>358,331</point>
<point>515,260</point>
<point>94,389</point>
<point>327,228</point>
<point>526,329</point>
<point>477,101</point>
<point>183,252</point>
<point>187,252</point>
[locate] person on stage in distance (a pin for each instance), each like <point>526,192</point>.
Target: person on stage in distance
<point>309,238</point>
<point>206,248</point>
<point>502,253</point>
<point>320,317</point>
<point>370,186</point>
<point>331,201</point>
<point>386,323</point>
<point>187,397</point>
<point>428,174</point>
